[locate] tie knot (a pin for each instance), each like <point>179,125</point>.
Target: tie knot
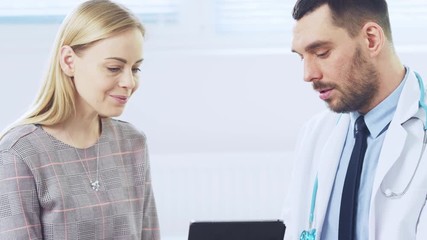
<point>360,127</point>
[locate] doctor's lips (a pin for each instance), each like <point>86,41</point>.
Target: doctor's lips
<point>324,91</point>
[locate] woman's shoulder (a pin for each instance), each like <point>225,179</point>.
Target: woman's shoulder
<point>124,129</point>
<point>20,133</point>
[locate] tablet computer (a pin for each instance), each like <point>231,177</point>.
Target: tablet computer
<point>237,230</point>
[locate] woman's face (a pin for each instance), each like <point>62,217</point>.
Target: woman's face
<point>106,74</point>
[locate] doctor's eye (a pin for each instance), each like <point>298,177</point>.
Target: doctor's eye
<point>301,57</point>
<point>324,54</point>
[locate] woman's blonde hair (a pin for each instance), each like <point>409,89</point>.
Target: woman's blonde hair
<point>90,22</point>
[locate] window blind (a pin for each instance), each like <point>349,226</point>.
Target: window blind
<point>152,11</point>
<point>240,16</point>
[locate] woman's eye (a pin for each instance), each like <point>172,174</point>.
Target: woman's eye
<point>136,70</point>
<point>113,69</point>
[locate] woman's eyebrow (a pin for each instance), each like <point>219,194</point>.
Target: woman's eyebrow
<point>123,60</point>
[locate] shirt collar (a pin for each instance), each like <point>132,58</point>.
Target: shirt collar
<point>379,117</point>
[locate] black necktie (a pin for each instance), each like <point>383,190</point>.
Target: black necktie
<point>348,210</point>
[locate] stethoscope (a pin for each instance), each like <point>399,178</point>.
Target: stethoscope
<point>311,233</point>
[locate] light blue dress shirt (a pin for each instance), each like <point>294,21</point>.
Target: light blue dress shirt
<point>377,121</point>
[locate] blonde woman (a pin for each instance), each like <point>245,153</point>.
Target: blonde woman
<point>67,169</point>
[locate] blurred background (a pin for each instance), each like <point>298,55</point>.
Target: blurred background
<point>221,98</point>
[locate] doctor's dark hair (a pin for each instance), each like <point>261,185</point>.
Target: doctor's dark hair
<point>349,14</point>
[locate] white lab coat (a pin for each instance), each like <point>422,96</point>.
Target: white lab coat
<point>318,152</point>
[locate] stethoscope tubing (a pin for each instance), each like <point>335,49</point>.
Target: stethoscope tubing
<point>390,194</point>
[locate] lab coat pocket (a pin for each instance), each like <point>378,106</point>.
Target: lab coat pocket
<point>396,218</point>
<point>404,176</point>
<point>403,189</point>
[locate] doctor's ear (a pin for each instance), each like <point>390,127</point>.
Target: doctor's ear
<point>374,37</point>
<point>66,60</point>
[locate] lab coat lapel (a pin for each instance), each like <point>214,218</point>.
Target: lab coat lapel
<point>329,160</point>
<point>396,136</point>
<point>390,152</point>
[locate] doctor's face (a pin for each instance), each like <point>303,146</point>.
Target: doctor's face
<point>335,63</point>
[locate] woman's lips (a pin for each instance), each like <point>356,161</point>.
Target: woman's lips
<point>120,99</point>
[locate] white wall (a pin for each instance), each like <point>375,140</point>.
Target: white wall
<point>221,124</point>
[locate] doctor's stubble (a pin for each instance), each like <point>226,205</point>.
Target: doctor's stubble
<point>357,88</point>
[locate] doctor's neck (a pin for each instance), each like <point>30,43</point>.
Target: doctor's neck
<point>390,73</point>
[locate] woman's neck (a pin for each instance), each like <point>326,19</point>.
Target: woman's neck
<point>79,132</point>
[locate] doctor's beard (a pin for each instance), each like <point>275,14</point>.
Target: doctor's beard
<point>358,88</point>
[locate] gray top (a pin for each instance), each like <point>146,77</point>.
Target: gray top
<point>45,190</point>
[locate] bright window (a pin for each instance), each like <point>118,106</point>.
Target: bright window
<point>217,23</point>
<point>23,11</point>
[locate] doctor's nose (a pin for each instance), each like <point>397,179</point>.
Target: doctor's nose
<point>311,71</point>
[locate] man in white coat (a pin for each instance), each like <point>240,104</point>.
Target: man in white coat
<point>347,51</point>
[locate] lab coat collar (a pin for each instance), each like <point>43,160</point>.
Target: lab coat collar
<point>408,101</point>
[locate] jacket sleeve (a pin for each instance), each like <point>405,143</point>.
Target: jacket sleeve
<point>150,222</point>
<point>19,205</point>
<point>294,208</point>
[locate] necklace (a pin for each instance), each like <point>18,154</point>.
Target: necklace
<point>95,185</point>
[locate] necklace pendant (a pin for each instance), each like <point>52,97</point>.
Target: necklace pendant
<point>95,185</point>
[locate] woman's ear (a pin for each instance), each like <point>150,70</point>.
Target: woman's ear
<point>374,38</point>
<point>66,59</point>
